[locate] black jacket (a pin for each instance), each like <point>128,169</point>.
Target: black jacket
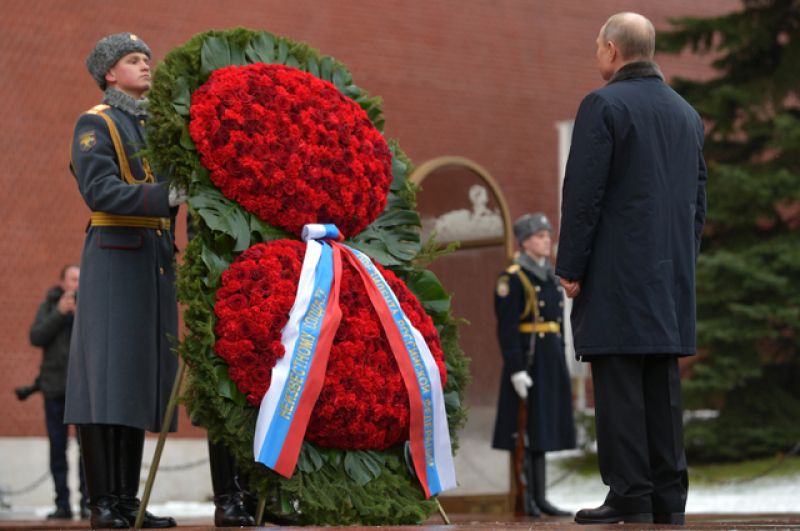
<point>52,331</point>
<point>632,215</point>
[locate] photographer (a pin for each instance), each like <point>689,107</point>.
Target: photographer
<point>52,330</point>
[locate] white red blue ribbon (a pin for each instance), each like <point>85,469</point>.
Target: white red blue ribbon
<point>298,376</point>
<point>429,433</point>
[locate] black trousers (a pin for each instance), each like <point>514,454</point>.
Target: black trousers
<point>639,422</point>
<point>58,434</point>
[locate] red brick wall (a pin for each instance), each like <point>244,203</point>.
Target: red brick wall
<point>483,79</point>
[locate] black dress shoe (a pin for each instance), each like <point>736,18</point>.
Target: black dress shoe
<point>61,513</point>
<point>85,512</point>
<point>129,507</point>
<point>609,515</point>
<point>669,518</point>
<point>230,511</point>
<point>105,514</point>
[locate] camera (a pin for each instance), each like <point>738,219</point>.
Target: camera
<point>24,392</point>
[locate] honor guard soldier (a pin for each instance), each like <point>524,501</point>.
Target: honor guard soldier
<point>121,368</point>
<point>529,306</point>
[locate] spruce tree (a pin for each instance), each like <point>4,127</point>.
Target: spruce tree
<point>748,275</point>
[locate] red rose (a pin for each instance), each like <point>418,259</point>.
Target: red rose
<point>363,403</point>
<point>268,133</point>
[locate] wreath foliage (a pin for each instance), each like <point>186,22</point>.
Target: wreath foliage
<point>330,485</point>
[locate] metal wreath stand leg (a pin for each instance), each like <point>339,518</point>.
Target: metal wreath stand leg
<point>162,438</point>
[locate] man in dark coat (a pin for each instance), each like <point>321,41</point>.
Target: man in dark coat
<point>529,305</point>
<point>121,366</point>
<point>632,216</point>
<point>51,330</point>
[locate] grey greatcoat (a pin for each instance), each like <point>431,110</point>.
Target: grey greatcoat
<point>121,367</point>
<point>633,212</point>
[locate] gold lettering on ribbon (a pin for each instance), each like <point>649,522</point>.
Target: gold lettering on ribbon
<point>302,355</point>
<point>413,351</point>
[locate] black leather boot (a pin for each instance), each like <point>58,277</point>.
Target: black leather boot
<point>251,504</point>
<point>529,496</point>
<point>130,442</point>
<point>228,496</point>
<point>539,487</point>
<point>99,455</point>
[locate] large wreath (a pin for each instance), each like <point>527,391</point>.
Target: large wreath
<point>207,99</point>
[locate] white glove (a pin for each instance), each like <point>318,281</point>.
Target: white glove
<point>521,382</point>
<point>177,195</point>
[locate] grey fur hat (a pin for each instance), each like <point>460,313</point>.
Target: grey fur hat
<point>111,49</point>
<point>530,224</point>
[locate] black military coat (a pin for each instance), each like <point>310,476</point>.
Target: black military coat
<point>550,420</point>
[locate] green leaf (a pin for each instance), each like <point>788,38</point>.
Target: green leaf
<point>352,91</point>
<point>377,250</point>
<point>310,460</point>
<point>395,218</point>
<point>261,48</point>
<point>429,291</point>
<point>226,387</point>
<point>200,176</point>
<point>451,401</point>
<point>333,456</point>
<point>362,467</point>
<point>237,54</point>
<point>222,215</point>
<point>265,232</point>
<point>338,79</point>
<point>293,62</point>
<point>186,139</point>
<point>181,96</point>
<point>215,265</point>
<point>215,53</point>
<point>399,169</point>
<point>283,52</point>
<point>312,67</point>
<point>326,68</point>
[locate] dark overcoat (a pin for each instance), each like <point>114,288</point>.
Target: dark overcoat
<point>632,215</point>
<point>549,402</point>
<point>51,331</point>
<point>121,367</point>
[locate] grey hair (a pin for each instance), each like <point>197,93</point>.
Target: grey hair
<point>633,34</point>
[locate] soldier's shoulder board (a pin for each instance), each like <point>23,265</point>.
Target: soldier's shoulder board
<point>513,268</point>
<point>97,109</point>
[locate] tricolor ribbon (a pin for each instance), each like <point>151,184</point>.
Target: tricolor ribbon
<point>298,376</point>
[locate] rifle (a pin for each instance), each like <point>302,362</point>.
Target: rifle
<point>522,464</point>
<point>519,461</point>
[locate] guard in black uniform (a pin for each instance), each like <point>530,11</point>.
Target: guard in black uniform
<point>529,305</point>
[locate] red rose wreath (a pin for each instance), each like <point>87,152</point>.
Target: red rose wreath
<point>290,148</point>
<point>268,135</point>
